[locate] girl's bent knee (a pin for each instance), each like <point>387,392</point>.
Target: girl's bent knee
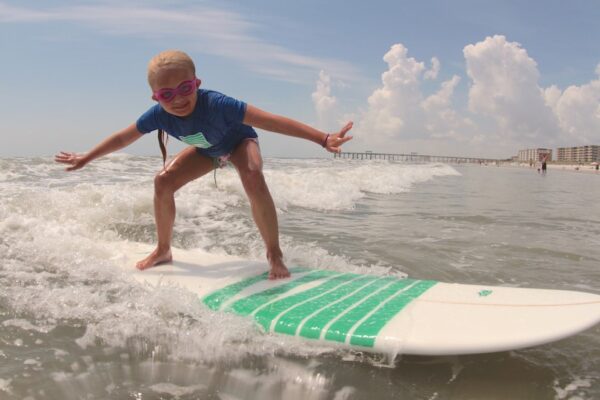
<point>163,183</point>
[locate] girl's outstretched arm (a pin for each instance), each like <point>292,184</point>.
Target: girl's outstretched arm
<point>112,143</point>
<point>277,123</point>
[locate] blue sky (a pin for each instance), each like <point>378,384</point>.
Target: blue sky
<point>477,78</point>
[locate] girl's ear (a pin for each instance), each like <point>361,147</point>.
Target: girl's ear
<point>154,97</point>
<point>198,83</point>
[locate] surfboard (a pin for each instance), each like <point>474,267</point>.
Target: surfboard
<point>380,314</point>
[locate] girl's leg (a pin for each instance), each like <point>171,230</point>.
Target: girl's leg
<point>248,162</point>
<point>185,167</point>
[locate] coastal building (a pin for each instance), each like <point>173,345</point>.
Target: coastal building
<point>579,154</point>
<point>535,155</point>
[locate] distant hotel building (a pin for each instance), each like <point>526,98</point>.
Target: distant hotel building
<point>535,155</point>
<point>581,154</point>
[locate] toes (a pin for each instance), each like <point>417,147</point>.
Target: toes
<point>278,274</point>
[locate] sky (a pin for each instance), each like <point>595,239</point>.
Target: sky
<point>455,78</point>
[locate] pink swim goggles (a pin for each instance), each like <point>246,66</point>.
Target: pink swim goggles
<point>185,88</point>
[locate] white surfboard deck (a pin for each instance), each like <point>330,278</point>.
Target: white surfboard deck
<point>374,313</point>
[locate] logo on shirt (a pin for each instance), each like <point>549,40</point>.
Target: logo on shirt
<point>197,140</point>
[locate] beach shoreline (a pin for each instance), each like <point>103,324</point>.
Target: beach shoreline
<point>588,169</point>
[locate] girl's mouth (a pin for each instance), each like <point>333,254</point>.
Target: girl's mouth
<point>180,108</point>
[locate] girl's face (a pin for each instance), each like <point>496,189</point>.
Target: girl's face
<point>175,89</point>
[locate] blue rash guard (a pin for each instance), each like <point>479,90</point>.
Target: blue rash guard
<point>215,126</point>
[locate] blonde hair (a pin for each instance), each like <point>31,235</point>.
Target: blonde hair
<point>170,59</point>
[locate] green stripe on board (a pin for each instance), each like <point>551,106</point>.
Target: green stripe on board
<point>366,332</point>
<point>289,322</point>
<point>382,298</point>
<point>266,315</point>
<point>339,329</point>
<point>215,300</point>
<point>248,304</point>
<point>314,325</point>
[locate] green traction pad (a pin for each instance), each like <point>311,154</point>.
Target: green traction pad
<point>339,307</point>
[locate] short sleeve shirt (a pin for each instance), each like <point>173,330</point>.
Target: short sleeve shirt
<point>214,127</point>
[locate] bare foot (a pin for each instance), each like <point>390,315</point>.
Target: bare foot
<point>278,269</point>
<point>155,258</point>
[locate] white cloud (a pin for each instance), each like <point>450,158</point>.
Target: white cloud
<point>201,28</point>
<point>507,108</point>
<point>442,98</point>
<point>441,120</point>
<point>505,88</point>
<point>435,69</point>
<point>398,112</point>
<point>578,112</point>
<point>323,100</point>
<point>552,96</point>
<point>394,108</point>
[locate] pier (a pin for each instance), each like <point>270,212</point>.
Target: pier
<point>414,157</point>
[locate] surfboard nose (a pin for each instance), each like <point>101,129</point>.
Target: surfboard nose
<point>516,318</point>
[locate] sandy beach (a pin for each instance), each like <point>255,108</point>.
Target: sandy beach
<point>590,169</point>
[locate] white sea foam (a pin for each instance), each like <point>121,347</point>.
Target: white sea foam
<point>345,393</point>
<point>28,326</point>
<point>284,380</point>
<point>5,385</point>
<point>175,390</point>
<point>337,185</point>
<point>57,230</point>
<point>570,389</point>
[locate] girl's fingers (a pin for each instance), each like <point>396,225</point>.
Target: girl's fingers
<point>346,128</point>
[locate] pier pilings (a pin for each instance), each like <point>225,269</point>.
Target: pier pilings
<point>413,157</point>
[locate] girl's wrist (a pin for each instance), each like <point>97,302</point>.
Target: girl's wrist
<point>324,143</point>
<point>87,158</point>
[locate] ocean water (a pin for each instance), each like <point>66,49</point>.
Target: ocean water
<point>73,325</point>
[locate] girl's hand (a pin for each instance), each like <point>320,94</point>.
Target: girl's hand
<point>334,141</point>
<point>75,160</point>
